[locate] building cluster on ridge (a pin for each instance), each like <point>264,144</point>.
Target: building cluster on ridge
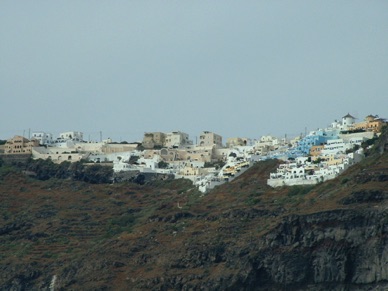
<point>320,155</point>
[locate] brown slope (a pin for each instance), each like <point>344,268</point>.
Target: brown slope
<point>131,237</point>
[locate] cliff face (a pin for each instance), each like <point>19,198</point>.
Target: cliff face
<point>340,248</point>
<point>331,250</point>
<point>244,235</point>
<point>334,250</point>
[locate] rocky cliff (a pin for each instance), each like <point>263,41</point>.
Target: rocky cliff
<point>332,250</point>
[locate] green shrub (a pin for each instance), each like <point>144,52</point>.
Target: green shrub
<point>6,169</point>
<point>299,190</point>
<point>252,201</point>
<point>121,224</point>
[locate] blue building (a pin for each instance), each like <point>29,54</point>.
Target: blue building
<point>315,138</point>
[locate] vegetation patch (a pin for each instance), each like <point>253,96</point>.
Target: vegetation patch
<point>123,223</point>
<point>299,190</point>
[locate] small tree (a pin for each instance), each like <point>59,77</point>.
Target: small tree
<point>162,165</point>
<point>317,161</point>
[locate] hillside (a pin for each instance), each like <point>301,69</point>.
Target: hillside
<point>164,235</point>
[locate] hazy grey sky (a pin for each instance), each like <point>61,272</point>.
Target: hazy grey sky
<point>237,68</point>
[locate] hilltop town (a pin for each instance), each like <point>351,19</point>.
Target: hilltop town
<point>64,228</point>
<point>315,157</point>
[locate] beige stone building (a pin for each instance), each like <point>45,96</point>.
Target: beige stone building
<point>177,139</point>
<point>203,154</point>
<point>152,139</point>
<point>332,160</point>
<point>169,155</point>
<point>190,171</point>
<point>57,155</point>
<point>370,123</point>
<point>316,150</point>
<point>19,145</point>
<point>118,148</point>
<point>208,138</point>
<point>200,154</point>
<point>149,154</point>
<point>236,141</point>
<point>174,139</point>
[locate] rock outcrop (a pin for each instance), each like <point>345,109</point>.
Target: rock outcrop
<point>334,250</point>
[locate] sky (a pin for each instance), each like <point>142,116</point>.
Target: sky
<point>236,68</point>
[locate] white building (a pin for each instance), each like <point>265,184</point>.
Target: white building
<point>357,137</point>
<point>44,138</point>
<point>267,143</point>
<point>303,172</point>
<point>72,135</point>
<point>336,146</point>
<point>149,163</point>
<point>268,140</point>
<point>348,121</point>
<point>207,182</point>
<point>113,156</point>
<point>120,166</point>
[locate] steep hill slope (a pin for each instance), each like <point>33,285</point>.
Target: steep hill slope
<point>243,235</point>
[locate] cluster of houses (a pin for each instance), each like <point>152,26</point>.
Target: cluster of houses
<point>318,156</point>
<point>325,153</point>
